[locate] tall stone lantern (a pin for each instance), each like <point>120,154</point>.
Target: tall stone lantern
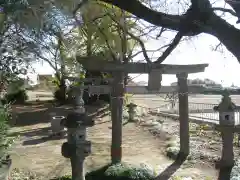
<point>226,110</point>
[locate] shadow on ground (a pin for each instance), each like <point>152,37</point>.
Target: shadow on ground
<point>99,111</point>
<point>43,139</point>
<point>224,173</point>
<point>39,135</point>
<point>44,131</point>
<point>170,170</point>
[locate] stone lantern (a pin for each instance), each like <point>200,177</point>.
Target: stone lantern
<point>131,111</point>
<point>226,110</point>
<point>77,148</point>
<point>226,126</point>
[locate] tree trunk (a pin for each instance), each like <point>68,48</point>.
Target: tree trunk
<point>226,33</point>
<point>62,85</point>
<point>62,88</point>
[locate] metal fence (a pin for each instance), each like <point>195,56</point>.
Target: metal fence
<point>197,110</point>
<point>200,111</point>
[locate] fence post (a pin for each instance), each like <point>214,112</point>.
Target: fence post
<point>183,114</point>
<point>131,111</point>
<point>226,126</point>
<point>77,148</point>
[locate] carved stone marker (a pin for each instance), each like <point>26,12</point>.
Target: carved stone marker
<point>226,110</point>
<point>56,126</point>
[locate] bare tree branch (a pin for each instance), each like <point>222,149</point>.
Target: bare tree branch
<point>170,48</point>
<point>225,10</point>
<point>139,52</point>
<point>216,48</point>
<point>203,20</point>
<point>157,18</point>
<point>107,43</point>
<point>161,32</point>
<point>136,39</point>
<point>144,51</point>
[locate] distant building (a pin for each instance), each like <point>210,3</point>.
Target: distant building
<point>142,83</point>
<point>45,80</point>
<point>132,83</point>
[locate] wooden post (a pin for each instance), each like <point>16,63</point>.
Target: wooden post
<point>183,114</point>
<point>116,116</point>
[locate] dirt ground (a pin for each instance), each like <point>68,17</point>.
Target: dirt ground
<point>35,152</point>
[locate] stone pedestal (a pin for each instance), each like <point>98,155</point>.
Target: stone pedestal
<point>227,159</point>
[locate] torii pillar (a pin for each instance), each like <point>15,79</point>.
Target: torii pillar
<point>183,115</point>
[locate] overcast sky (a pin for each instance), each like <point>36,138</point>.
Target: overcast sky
<point>223,67</point>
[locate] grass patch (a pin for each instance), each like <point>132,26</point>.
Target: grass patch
<point>118,172</point>
<point>4,127</point>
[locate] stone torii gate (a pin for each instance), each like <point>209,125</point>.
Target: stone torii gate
<point>117,91</point>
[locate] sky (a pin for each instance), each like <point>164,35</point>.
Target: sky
<point>223,67</point>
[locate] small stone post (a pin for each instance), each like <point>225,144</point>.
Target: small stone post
<point>183,114</point>
<point>56,127</point>
<point>77,148</point>
<point>131,111</point>
<point>226,127</point>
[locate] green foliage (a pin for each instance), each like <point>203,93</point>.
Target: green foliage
<point>172,152</point>
<point>118,172</point>
<point>19,96</point>
<point>127,98</point>
<point>63,178</point>
<point>235,174</point>
<point>81,76</point>
<point>56,81</point>
<point>100,32</point>
<point>59,96</point>
<point>126,171</point>
<point>4,118</point>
